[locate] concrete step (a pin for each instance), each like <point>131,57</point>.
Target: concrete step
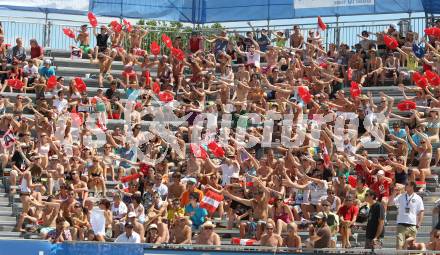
<point>81,72</point>
<point>8,234</point>
<point>85,63</point>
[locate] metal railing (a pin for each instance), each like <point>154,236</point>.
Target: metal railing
<point>49,32</point>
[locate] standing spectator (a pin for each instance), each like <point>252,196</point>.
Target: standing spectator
<point>195,42</point>
<point>101,39</point>
<point>347,214</point>
<point>47,70</point>
<point>129,236</point>
<point>375,223</point>
<point>409,215</point>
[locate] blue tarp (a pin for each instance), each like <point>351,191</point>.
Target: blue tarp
<point>431,6</point>
<point>208,11</point>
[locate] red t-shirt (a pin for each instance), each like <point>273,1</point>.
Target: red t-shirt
<point>381,188</point>
<point>348,213</point>
<point>362,174</point>
<point>194,44</point>
<point>36,51</point>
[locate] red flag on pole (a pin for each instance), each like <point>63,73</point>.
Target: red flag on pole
<point>154,48</point>
<point>92,19</point>
<point>69,32</point>
<point>406,105</point>
<point>321,24</point>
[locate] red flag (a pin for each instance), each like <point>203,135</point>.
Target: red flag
<point>352,180</point>
<point>325,155</point>
<point>211,200</point>
<point>350,74</point>
<point>76,119</point>
<point>130,177</point>
<point>216,149</point>
<point>51,82</point>
<point>156,87</point>
<point>406,105</point>
<point>140,52</point>
<point>433,78</point>
<point>198,151</point>
<point>127,25</point>
<point>154,48</point>
<point>243,242</point>
<point>166,97</point>
<point>355,90</point>
<point>422,82</point>
<point>304,94</point>
<point>80,85</point>
<point>321,24</point>
<point>92,19</point>
<point>390,42</point>
<point>69,32</point>
<point>15,83</point>
<point>116,26</point>
<point>178,53</point>
<point>167,41</point>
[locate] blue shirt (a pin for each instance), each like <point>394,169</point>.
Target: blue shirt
<point>46,72</point>
<point>401,133</point>
<point>199,215</point>
<point>126,154</point>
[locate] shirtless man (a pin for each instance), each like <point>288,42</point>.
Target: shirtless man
<point>175,188</point>
<point>136,37</point>
<point>181,232</point>
<point>271,239</point>
<point>105,63</point>
<point>242,74</point>
<point>56,174</point>
<point>296,39</point>
<point>117,49</point>
<point>272,55</point>
<point>194,166</point>
<point>84,42</point>
<point>138,227</point>
<point>207,236</point>
<point>259,204</point>
<point>375,67</point>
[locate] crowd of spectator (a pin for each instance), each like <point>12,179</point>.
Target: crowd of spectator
<point>71,189</point>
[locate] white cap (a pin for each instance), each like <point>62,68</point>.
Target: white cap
<point>47,61</point>
<point>235,176</point>
<point>380,172</point>
<point>131,214</point>
<point>152,226</point>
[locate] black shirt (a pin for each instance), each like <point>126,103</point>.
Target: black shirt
<point>377,212</point>
<point>101,40</point>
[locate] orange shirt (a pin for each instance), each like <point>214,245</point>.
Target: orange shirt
<point>184,200</point>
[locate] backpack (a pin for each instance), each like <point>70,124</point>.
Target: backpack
<point>363,214</point>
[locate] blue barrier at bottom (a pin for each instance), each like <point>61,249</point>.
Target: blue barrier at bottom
<point>24,247</point>
<point>41,247</point>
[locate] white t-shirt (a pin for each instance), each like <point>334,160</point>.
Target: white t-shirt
<point>30,71</point>
<point>415,205</point>
<point>60,105</point>
<point>162,190</point>
<point>227,171</point>
<point>253,58</point>
<point>315,192</point>
<point>120,211</point>
<point>97,220</point>
<point>134,238</point>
